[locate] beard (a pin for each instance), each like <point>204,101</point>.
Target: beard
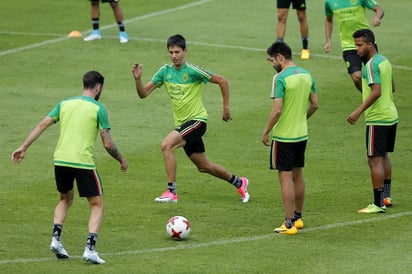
<point>278,68</point>
<point>97,96</point>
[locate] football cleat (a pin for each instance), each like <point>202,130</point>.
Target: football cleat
<point>299,223</point>
<point>94,35</point>
<point>243,190</point>
<point>167,197</point>
<point>304,55</point>
<point>284,230</point>
<point>372,208</point>
<point>124,38</point>
<point>92,256</point>
<point>57,248</point>
<point>387,201</point>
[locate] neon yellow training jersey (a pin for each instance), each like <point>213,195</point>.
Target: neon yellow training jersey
<point>294,85</point>
<point>81,118</point>
<point>184,86</point>
<point>350,16</point>
<point>383,111</point>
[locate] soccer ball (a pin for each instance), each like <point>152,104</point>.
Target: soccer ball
<point>178,228</point>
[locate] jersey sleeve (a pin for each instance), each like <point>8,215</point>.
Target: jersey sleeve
<point>278,87</point>
<point>370,4</point>
<point>103,118</point>
<point>201,74</point>
<point>313,88</point>
<point>328,11</point>
<point>158,77</point>
<point>374,73</point>
<point>55,112</point>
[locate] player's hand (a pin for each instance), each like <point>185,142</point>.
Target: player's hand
<point>376,22</point>
<point>265,139</point>
<point>17,156</point>
<point>226,115</point>
<point>353,117</point>
<point>137,71</point>
<point>123,165</point>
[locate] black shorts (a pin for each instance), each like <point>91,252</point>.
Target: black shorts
<point>88,180</point>
<point>286,156</point>
<point>380,140</point>
<point>296,4</point>
<point>352,60</point>
<point>192,132</point>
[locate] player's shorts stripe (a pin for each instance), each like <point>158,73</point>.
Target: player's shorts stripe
<point>371,141</point>
<point>98,183</point>
<point>191,128</point>
<point>273,154</point>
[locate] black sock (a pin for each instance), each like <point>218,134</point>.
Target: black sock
<point>172,187</point>
<point>289,222</point>
<point>95,23</point>
<point>305,43</point>
<point>235,181</point>
<point>91,241</point>
<point>298,215</point>
<point>57,231</point>
<point>121,26</point>
<point>279,39</point>
<point>387,188</point>
<point>378,197</point>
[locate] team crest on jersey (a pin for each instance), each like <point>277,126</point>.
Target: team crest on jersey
<point>353,2</point>
<point>185,77</point>
<point>169,76</point>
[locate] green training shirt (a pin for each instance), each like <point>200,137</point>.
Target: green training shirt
<point>350,16</point>
<point>383,111</point>
<point>184,87</point>
<point>294,85</point>
<point>80,118</point>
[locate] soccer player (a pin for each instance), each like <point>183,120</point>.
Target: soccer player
<point>81,118</point>
<point>184,84</point>
<point>294,101</point>
<point>118,15</point>
<point>350,16</point>
<point>381,118</point>
<point>283,11</point>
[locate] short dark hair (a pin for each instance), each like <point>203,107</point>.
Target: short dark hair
<point>176,40</point>
<point>280,48</point>
<point>92,78</point>
<point>366,34</point>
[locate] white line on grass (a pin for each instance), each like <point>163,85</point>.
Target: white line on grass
<point>327,56</point>
<point>183,245</point>
<point>146,16</point>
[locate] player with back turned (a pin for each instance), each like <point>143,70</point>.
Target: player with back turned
<point>81,119</point>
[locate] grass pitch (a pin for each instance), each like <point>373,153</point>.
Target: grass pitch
<point>40,65</point>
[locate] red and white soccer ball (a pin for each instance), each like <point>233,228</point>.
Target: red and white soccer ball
<point>178,228</point>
